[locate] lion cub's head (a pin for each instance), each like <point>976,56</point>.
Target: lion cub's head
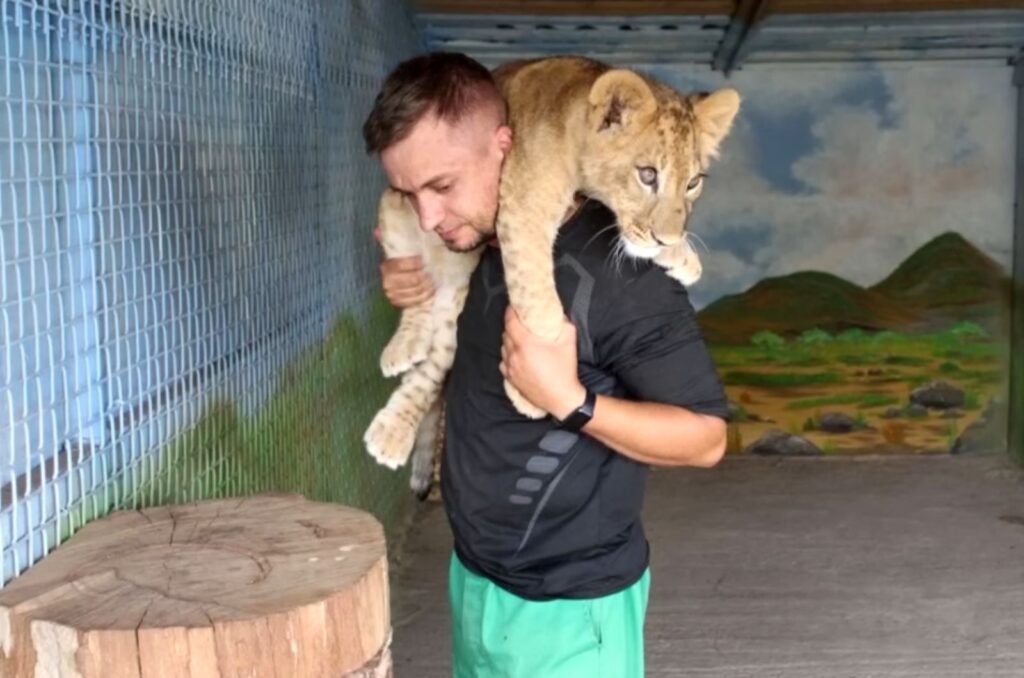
<point>646,151</point>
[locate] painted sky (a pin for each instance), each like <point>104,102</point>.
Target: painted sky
<point>850,168</point>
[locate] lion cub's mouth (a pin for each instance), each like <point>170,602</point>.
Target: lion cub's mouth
<point>640,250</point>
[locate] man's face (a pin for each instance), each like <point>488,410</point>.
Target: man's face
<point>451,174</point>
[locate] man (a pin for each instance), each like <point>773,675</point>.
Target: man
<point>549,575</point>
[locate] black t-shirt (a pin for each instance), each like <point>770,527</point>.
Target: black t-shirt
<point>543,512</point>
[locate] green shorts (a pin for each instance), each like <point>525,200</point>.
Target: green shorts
<point>496,634</point>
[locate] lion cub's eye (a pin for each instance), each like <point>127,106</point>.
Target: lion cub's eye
<point>648,176</point>
<point>695,182</point>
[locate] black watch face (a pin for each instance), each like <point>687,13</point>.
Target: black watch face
<point>580,416</point>
<point>576,420</point>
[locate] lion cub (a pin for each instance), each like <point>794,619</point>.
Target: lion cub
<point>579,125</point>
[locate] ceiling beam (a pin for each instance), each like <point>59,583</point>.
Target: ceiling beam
<point>863,6</point>
<point>576,7</point>
<point>626,8</point>
<point>743,26</point>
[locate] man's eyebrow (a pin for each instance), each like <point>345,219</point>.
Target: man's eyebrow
<point>432,180</point>
<point>437,178</point>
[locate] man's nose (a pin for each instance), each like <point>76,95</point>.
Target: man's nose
<point>431,213</point>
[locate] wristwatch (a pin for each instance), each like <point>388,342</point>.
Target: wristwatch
<point>579,417</point>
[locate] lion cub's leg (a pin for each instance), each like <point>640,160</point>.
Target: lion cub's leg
<point>529,216</point>
<point>392,433</point>
<point>401,237</point>
<point>681,262</point>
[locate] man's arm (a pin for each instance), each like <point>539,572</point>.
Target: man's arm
<point>655,433</point>
<point>649,432</point>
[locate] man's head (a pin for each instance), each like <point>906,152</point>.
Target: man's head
<point>440,126</point>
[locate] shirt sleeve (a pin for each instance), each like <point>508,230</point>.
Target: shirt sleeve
<point>661,356</point>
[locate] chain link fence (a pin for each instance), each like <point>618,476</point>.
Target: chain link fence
<point>189,303</point>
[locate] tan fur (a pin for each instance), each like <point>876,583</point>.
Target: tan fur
<point>423,347</point>
<point>578,126</point>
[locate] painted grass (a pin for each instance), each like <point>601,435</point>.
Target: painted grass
<point>776,379</point>
<point>864,349</point>
<point>861,400</point>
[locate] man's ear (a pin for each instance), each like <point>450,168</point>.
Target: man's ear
<point>503,137</point>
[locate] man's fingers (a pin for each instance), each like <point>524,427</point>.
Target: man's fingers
<point>515,330</point>
<point>403,281</point>
<point>402,264</point>
<point>424,289</point>
<point>420,295</point>
<point>403,297</point>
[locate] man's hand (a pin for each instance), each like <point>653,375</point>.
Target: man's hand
<point>652,433</point>
<point>544,372</point>
<point>405,281</point>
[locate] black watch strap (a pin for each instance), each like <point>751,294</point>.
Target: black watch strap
<point>581,415</point>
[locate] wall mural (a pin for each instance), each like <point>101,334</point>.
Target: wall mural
<point>857,235</point>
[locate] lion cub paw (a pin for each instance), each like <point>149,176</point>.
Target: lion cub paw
<point>688,273</point>
<point>403,353</point>
<point>522,405</point>
<point>682,263</point>
<point>389,439</point>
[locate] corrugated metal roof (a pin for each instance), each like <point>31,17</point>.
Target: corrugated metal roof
<point>933,35</point>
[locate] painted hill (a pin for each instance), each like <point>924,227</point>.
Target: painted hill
<point>946,280</point>
<point>790,304</point>
<point>944,276</point>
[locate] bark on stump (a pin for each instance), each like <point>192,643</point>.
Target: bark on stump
<point>268,586</point>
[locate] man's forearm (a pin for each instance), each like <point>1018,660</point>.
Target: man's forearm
<point>546,374</point>
<point>658,434</point>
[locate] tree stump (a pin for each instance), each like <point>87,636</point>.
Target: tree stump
<point>270,586</point>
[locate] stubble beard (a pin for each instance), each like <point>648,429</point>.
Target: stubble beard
<point>462,248</point>
<point>480,237</point>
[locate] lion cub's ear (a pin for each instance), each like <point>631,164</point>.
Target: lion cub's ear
<point>620,99</point>
<point>715,113</point>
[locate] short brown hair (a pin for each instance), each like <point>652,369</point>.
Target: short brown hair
<point>448,83</point>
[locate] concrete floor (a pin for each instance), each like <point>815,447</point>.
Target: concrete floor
<point>799,568</point>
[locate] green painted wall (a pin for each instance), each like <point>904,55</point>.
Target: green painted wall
<point>306,439</point>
